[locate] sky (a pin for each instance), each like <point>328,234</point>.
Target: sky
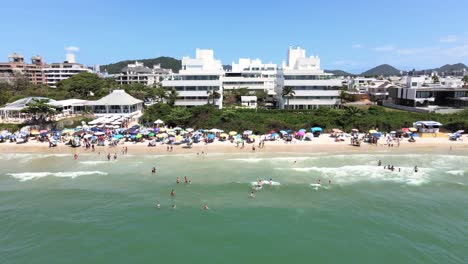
<point>347,35</point>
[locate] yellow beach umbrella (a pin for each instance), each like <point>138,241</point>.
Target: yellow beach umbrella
<point>223,135</point>
<point>163,135</point>
<point>412,129</point>
<point>162,129</point>
<point>373,131</point>
<point>233,133</point>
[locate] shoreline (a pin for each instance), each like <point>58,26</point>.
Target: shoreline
<point>319,145</point>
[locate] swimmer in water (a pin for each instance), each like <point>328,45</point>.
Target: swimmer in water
<point>329,182</point>
<point>252,195</point>
<point>380,163</point>
<point>319,182</point>
<point>415,168</point>
<point>205,207</point>
<point>153,170</point>
<point>178,180</point>
<point>75,156</point>
<point>158,206</point>
<point>173,206</point>
<point>173,192</point>
<point>185,179</point>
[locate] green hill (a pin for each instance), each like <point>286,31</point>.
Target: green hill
<point>339,73</point>
<point>449,68</point>
<point>384,69</point>
<point>166,62</point>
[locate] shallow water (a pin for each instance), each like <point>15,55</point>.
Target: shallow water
<point>57,210</point>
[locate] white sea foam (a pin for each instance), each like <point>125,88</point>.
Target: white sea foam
<point>456,172</point>
<point>274,159</point>
<point>26,176</point>
<point>356,173</point>
<point>94,162</point>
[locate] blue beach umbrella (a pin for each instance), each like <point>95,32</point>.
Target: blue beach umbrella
<point>316,129</point>
<point>211,136</point>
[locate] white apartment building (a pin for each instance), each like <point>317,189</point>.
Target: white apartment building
<point>198,79</point>
<point>56,72</point>
<point>312,87</point>
<point>252,75</point>
<point>139,73</point>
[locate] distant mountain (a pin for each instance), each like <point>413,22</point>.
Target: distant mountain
<point>166,63</point>
<point>339,73</point>
<point>449,68</point>
<point>384,69</point>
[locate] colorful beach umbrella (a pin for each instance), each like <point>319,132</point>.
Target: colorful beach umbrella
<point>232,133</point>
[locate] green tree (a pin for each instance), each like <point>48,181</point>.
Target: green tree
<point>179,116</point>
<point>287,93</point>
<point>465,80</point>
<point>83,85</point>
<point>40,110</point>
<point>172,97</point>
<point>160,94</point>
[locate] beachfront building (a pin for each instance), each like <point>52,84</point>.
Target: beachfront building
<point>16,67</point>
<point>311,86</point>
<point>12,112</point>
<point>56,72</point>
<point>199,81</point>
<point>422,91</point>
<point>117,103</point>
<point>252,75</point>
<point>139,73</point>
<point>249,101</point>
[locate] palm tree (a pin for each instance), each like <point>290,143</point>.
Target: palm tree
<point>287,93</point>
<point>172,97</point>
<point>215,95</point>
<point>160,94</point>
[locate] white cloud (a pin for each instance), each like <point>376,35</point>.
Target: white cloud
<point>449,39</point>
<point>72,49</point>
<point>358,46</point>
<point>385,48</point>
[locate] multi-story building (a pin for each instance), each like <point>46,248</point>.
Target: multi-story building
<point>56,72</point>
<point>16,67</point>
<point>423,91</point>
<point>312,87</point>
<point>199,81</point>
<point>139,73</point>
<point>252,75</point>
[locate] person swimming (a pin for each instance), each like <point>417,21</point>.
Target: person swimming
<point>178,180</point>
<point>252,195</point>
<point>75,156</point>
<point>205,207</point>
<point>173,193</point>
<point>158,206</point>
<point>173,206</point>
<point>185,179</point>
<point>153,170</point>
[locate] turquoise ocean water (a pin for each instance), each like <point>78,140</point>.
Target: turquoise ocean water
<point>54,209</point>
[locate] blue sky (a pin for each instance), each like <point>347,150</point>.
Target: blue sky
<point>348,35</point>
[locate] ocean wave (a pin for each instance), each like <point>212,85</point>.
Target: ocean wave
<point>456,172</point>
<point>289,159</point>
<point>356,173</point>
<point>94,162</point>
<point>26,176</point>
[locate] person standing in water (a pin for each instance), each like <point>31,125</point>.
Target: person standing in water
<point>185,179</point>
<point>108,156</point>
<point>380,163</point>
<point>416,168</point>
<point>158,206</point>
<point>178,180</point>
<point>75,156</point>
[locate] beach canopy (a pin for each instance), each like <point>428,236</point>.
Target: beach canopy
<point>309,135</point>
<point>355,130</point>
<point>316,129</point>
<point>302,130</point>
<point>283,132</point>
<point>159,121</point>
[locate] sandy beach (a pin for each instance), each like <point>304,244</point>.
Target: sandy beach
<point>324,143</point>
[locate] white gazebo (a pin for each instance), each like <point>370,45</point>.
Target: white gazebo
<point>117,103</point>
